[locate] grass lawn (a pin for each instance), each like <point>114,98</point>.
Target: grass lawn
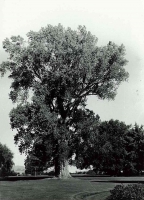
<point>136,179</point>
<point>53,189</point>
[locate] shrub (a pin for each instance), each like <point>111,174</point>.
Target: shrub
<point>129,192</point>
<point>51,173</point>
<point>91,172</point>
<point>12,173</point>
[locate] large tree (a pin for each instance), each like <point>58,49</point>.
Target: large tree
<point>59,68</point>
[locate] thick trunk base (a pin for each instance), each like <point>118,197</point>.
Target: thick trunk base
<point>64,173</point>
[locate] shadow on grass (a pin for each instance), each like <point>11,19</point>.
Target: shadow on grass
<point>20,178</point>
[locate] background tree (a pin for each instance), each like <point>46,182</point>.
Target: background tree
<point>86,140</point>
<point>105,150</point>
<point>33,165</point>
<point>134,146</point>
<point>112,147</point>
<point>60,67</point>
<point>6,160</point>
<point>112,152</point>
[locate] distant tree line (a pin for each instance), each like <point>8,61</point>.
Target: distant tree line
<point>113,147</point>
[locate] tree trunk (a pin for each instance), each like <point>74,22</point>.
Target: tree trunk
<point>57,167</point>
<point>64,172</point>
<point>61,163</point>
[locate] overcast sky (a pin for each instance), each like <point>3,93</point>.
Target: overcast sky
<point>120,21</point>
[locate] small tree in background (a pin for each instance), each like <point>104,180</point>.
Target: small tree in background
<point>60,68</point>
<point>6,160</point>
<point>33,165</point>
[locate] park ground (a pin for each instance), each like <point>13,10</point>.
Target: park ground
<point>55,189</point>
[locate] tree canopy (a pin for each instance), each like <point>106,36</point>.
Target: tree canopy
<point>59,68</point>
<point>113,148</point>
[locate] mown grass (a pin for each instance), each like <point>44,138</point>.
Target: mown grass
<point>54,189</point>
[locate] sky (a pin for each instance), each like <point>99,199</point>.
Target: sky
<point>119,21</point>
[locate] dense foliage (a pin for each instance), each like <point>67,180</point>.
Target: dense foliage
<point>134,147</point>
<point>129,192</point>
<point>114,148</point>
<point>59,68</point>
<point>6,160</point>
<point>33,165</point>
